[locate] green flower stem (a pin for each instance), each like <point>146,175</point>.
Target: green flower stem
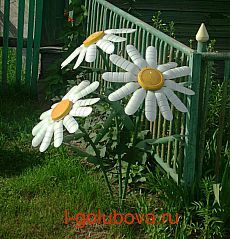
<point>120,179</point>
<point>119,163</point>
<point>135,134</point>
<point>104,59</point>
<point>99,159</point>
<point>126,184</point>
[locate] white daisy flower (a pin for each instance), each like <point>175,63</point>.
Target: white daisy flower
<point>103,39</point>
<point>148,81</point>
<point>63,113</point>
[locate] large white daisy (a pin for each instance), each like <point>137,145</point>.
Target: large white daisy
<point>103,39</point>
<point>148,81</point>
<point>63,113</point>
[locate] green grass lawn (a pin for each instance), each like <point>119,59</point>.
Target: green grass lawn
<point>36,188</point>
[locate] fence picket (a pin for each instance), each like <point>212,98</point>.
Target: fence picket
<point>37,39</point>
<point>5,43</point>
<point>21,9</point>
<point>29,49</point>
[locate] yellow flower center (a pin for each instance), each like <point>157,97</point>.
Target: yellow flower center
<point>150,79</point>
<point>93,38</point>
<point>61,109</point>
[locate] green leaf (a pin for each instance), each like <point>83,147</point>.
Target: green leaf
<point>144,144</point>
<point>133,155</point>
<point>118,108</point>
<point>102,151</point>
<point>216,190</point>
<point>126,120</point>
<point>142,179</point>
<point>79,152</point>
<point>90,158</point>
<point>105,128</point>
<point>71,137</point>
<point>93,160</point>
<point>92,69</point>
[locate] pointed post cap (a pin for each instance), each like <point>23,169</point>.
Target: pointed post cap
<point>202,34</point>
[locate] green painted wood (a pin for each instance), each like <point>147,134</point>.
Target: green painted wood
<point>29,49</point>
<point>170,157</point>
<point>144,36</point>
<point>5,43</point>
<point>37,39</point>
<point>166,167</point>
<point>21,9</point>
<point>53,22</point>
<point>216,56</point>
<point>192,127</point>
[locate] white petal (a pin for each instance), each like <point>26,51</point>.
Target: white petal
<point>70,123</point>
<point>136,57</point>
<point>119,77</point>
<point>39,136</point>
<point>124,91</point>
<point>118,31</point>
<point>106,46</point>
<point>163,105</point>
<point>150,106</point>
<point>81,111</point>
<point>151,56</point>
<point>71,57</point>
<point>167,66</point>
<point>177,87</point>
<point>80,58</point>
<point>174,100</point>
<point>85,102</point>
<point>54,105</point>
<point>89,89</point>
<point>177,72</point>
<point>124,64</point>
<point>91,53</point>
<point>58,133</point>
<point>114,38</point>
<point>47,139</point>
<point>77,88</point>
<point>135,101</point>
<point>40,125</point>
<point>45,114</point>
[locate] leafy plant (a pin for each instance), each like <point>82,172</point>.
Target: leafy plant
<point>74,29</point>
<point>208,212</point>
<point>158,23</point>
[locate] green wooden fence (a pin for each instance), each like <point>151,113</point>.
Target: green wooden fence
<point>31,42</point>
<point>181,160</point>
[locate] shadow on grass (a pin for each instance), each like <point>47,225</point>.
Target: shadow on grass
<point>14,161</point>
<point>18,115</point>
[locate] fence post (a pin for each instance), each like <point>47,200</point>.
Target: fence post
<point>202,37</point>
<point>193,126</point>
<point>191,130</point>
